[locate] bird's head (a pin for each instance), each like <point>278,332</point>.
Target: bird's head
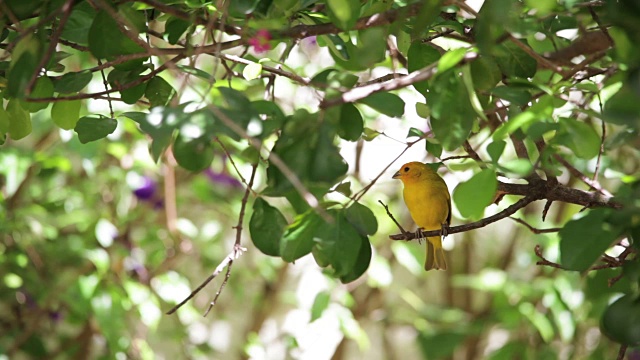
<point>413,171</point>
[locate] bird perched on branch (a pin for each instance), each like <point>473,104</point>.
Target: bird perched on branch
<point>429,203</point>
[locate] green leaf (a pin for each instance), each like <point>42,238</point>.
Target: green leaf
<point>320,304</point>
<point>490,24</point>
<point>474,195</point>
<point>79,23</point>
<point>19,120</point>
<point>428,12</point>
<point>344,13</point>
<point>308,149</point>
<point>579,137</point>
<point>327,165</point>
<point>514,123</point>
<point>73,82</point>
<point>495,150</point>
<point>621,320</point>
<point>351,124</point>
<point>193,147</point>
<point>413,132</point>
<point>485,73</point>
<point>65,114</point>
<point>451,128</point>
<point>4,121</point>
<point>43,88</point>
<point>24,63</point>
<point>362,218</point>
<point>266,227</point>
<point>160,124</point>
<point>385,103</point>
<point>623,108</point>
<point>174,28</point>
<point>337,46</point>
<point>584,240</point>
<point>159,92</point>
<point>371,49</point>
<point>92,128</point>
<point>297,240</point>
<point>513,61</point>
<point>362,262</point>
<point>433,148</point>
<point>339,243</point>
<point>451,59</point>
<point>274,116</point>
<point>105,27</point>
<point>252,71</point>
<point>343,188</point>
<point>419,56</point>
<point>441,344</point>
<point>513,95</point>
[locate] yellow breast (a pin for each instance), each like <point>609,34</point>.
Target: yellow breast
<point>428,203</point>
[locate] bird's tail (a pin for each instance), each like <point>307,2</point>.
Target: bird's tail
<point>435,254</point>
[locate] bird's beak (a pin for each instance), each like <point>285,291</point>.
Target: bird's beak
<point>396,175</point>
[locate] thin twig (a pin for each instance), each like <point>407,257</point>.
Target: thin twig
<point>622,352</point>
<point>274,159</point>
<point>362,92</point>
<point>402,230</point>
<point>585,179</point>
<point>533,229</point>
<point>227,275</point>
<point>237,251</point>
<point>601,151</point>
<point>357,196</point>
<point>233,163</point>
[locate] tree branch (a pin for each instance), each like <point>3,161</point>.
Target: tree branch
<point>471,226</point>
<point>362,92</point>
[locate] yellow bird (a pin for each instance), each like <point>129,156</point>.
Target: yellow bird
<point>429,203</point>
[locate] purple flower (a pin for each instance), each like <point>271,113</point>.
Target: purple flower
<point>55,316</point>
<point>222,179</point>
<point>146,190</point>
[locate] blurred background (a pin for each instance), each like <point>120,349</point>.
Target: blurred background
<point>98,242</point>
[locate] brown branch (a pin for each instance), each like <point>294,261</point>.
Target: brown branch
<point>471,226</point>
<point>380,19</point>
<point>184,15</point>
<point>380,79</point>
<point>360,93</point>
<point>53,42</point>
<point>128,85</point>
<point>295,77</point>
<point>590,42</point>
<point>622,352</point>
<point>557,192</point>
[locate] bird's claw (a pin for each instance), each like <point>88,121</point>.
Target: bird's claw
<point>419,235</point>
<point>445,230</point>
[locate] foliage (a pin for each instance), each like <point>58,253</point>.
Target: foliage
<point>526,100</point>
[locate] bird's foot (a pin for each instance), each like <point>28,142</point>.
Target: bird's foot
<point>419,235</point>
<point>445,230</point>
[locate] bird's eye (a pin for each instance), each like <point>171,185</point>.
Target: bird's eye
<point>406,169</point>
